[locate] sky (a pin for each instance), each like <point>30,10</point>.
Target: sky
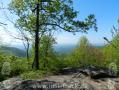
<point>105,11</point>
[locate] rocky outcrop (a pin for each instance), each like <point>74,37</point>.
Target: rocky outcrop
<point>88,78</point>
<point>61,82</point>
<point>92,71</point>
<point>10,83</point>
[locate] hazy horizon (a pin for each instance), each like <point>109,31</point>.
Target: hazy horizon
<point>56,46</point>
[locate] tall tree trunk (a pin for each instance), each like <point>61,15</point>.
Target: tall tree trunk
<point>46,53</point>
<point>27,54</point>
<point>36,58</point>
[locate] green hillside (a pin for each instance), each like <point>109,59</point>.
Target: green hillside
<point>12,51</point>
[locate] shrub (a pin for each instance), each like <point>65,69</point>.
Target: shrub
<point>33,74</point>
<point>85,54</point>
<point>111,51</point>
<point>18,66</point>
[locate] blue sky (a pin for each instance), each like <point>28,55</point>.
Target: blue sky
<point>106,12</point>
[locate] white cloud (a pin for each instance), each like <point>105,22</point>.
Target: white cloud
<point>67,38</point>
<point>5,37</point>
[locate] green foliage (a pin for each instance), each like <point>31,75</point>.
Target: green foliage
<point>111,51</point>
<point>83,42</point>
<point>2,59</point>
<point>14,67</point>
<point>6,68</point>
<point>54,65</point>
<point>50,63</point>
<point>18,66</point>
<point>49,60</point>
<point>46,46</point>
<point>33,74</point>
<point>56,14</point>
<point>12,51</point>
<point>85,54</point>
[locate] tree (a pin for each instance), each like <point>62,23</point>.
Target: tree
<point>54,15</point>
<point>82,50</point>
<point>20,34</point>
<point>83,42</point>
<point>112,48</point>
<point>1,23</point>
<point>46,47</point>
<point>85,54</point>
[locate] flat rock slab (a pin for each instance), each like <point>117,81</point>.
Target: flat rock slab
<point>61,82</point>
<point>87,78</point>
<point>92,71</point>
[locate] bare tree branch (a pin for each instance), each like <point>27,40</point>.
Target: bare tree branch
<point>109,42</point>
<point>2,23</point>
<point>59,27</point>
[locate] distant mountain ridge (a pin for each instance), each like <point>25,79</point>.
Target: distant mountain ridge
<point>69,48</point>
<point>20,52</point>
<point>12,51</point>
<point>64,48</point>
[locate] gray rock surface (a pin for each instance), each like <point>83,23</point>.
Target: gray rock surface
<point>10,83</point>
<point>89,78</point>
<point>92,71</point>
<point>61,82</point>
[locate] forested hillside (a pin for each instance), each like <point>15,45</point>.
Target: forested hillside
<point>12,51</point>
